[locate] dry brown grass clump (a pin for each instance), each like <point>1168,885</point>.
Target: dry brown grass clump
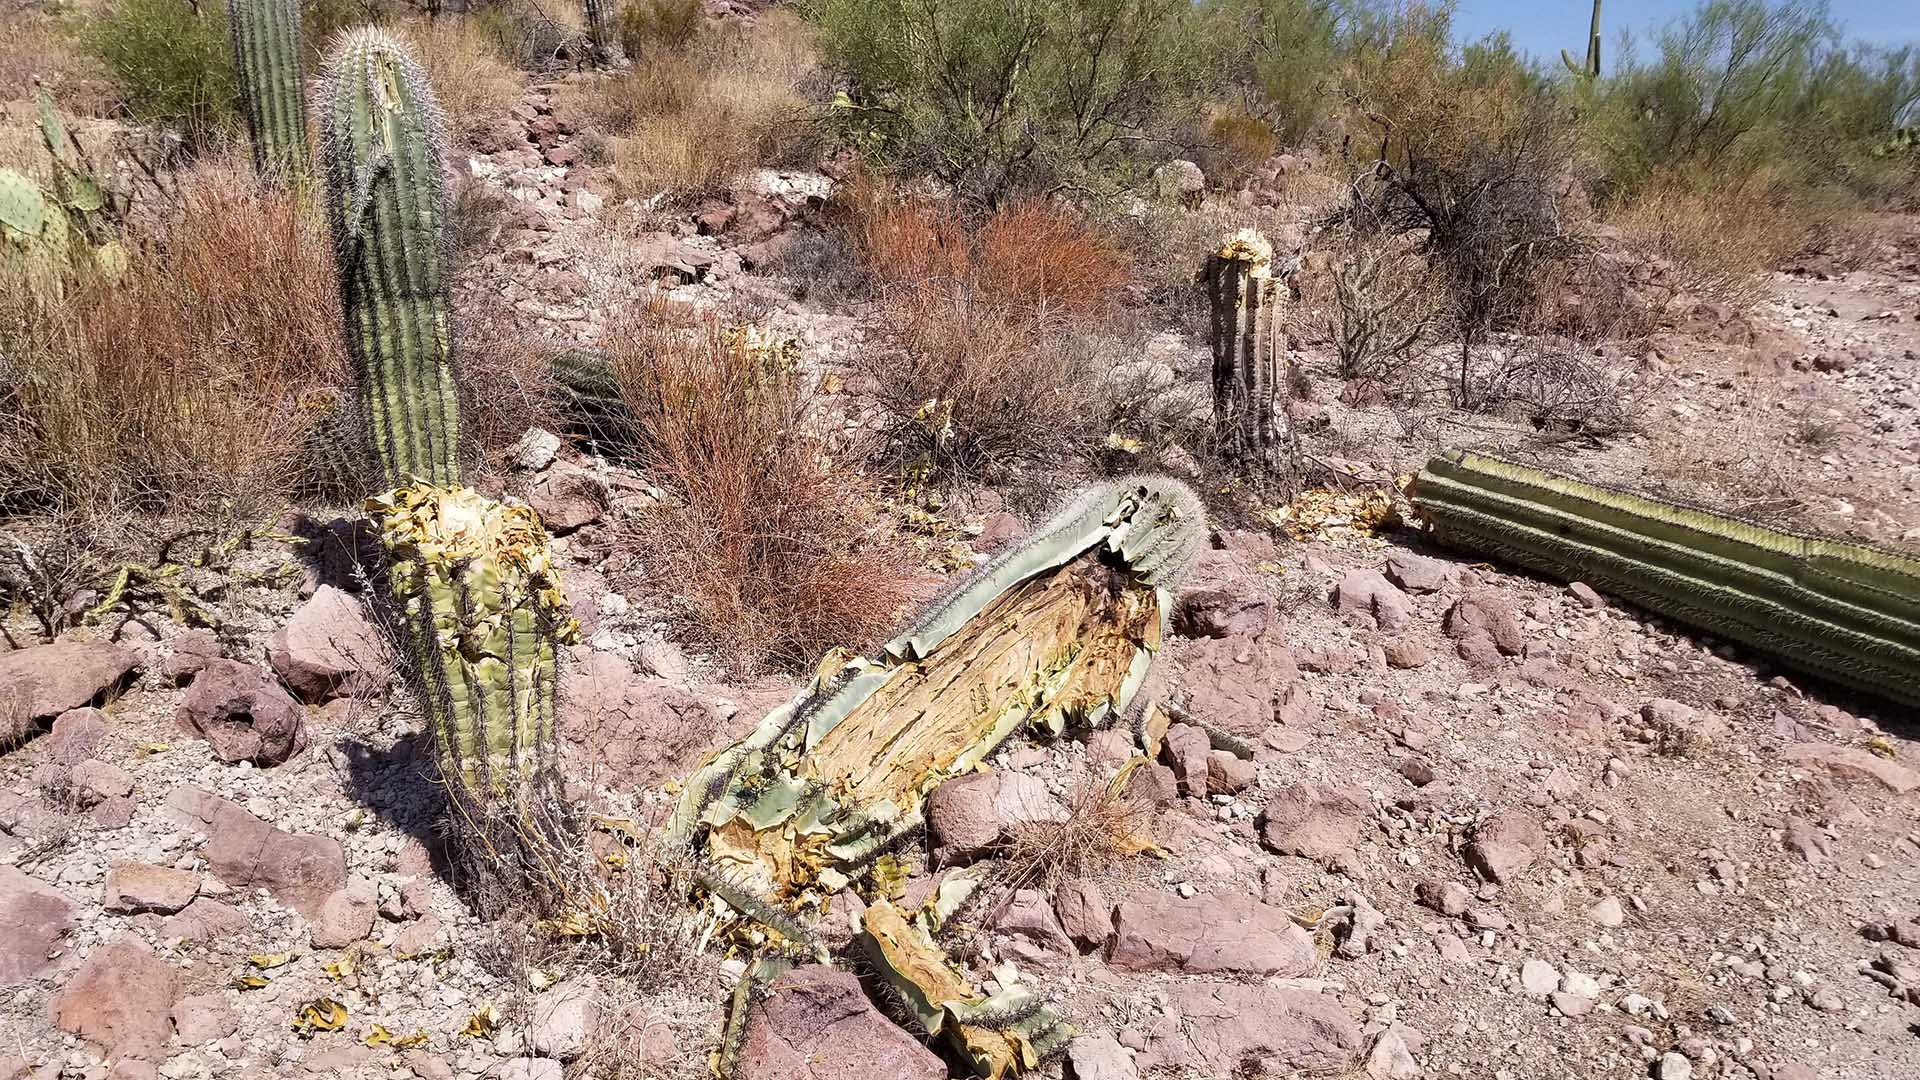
<point>192,378</point>
<point>1104,824</point>
<point>686,122</point>
<point>768,541</point>
<point>986,347</point>
<point>473,78</point>
<point>35,47</point>
<point>1721,239</point>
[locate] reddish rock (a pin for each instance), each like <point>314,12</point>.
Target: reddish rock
<point>95,781</point>
<point>1853,764</point>
<point>121,998</point>
<point>34,916</point>
<point>1029,916</point>
<point>817,1024</point>
<point>1186,751</point>
<point>191,651</point>
<point>345,916</point>
<point>1227,774</point>
<point>299,868</point>
<point>76,734</point>
<point>1368,592</point>
<point>1504,846</point>
<point>636,731</point>
<point>204,1018</point>
<point>206,919</point>
<point>1316,821</point>
<point>568,497</point>
<point>40,682</point>
<point>243,714</point>
<point>1083,913</point>
<point>971,815</point>
<point>1099,1056</point>
<point>1208,934</point>
<point>1420,574</point>
<point>1485,613</point>
<point>1218,598</point>
<point>135,887</point>
<point>1405,654</point>
<point>1234,683</point>
<point>330,648</point>
<point>1289,1031</point>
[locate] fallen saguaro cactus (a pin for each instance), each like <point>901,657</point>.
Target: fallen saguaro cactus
<point>1059,631</point>
<point>1844,611</point>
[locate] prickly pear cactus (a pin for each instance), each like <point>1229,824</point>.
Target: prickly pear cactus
<point>35,241</point>
<point>1057,632</point>
<point>1848,612</point>
<point>383,148</point>
<point>267,54</point>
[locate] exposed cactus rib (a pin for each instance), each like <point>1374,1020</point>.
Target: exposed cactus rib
<point>382,137</point>
<point>1244,298</point>
<point>267,51</point>
<point>1845,611</point>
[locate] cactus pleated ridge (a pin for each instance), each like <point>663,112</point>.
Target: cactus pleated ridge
<point>267,63</point>
<point>1063,627</point>
<point>1244,298</point>
<point>1843,611</point>
<point>383,144</point>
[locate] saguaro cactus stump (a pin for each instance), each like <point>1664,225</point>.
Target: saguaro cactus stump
<point>265,35</point>
<point>1244,297</point>
<point>1848,612</point>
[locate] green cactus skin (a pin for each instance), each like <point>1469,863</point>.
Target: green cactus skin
<point>591,401</point>
<point>267,51</point>
<point>1591,69</point>
<point>36,244</point>
<point>1846,612</point>
<point>1244,299</point>
<point>383,144</point>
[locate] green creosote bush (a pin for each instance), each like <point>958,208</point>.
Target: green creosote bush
<point>172,63</point>
<point>648,26</point>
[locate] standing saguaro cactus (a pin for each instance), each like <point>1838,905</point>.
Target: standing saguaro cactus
<point>600,33</point>
<point>471,587</point>
<point>384,143</point>
<point>1245,299</point>
<point>1591,69</point>
<point>265,35</point>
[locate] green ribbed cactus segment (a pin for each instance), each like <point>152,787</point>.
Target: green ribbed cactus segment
<point>383,152</point>
<point>1844,611</point>
<point>591,402</point>
<point>267,52</point>
<point>1591,69</point>
<point>35,243</point>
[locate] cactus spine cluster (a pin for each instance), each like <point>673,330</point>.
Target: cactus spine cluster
<point>1244,297</point>
<point>1591,69</point>
<point>267,51</point>
<point>470,584</point>
<point>1847,612</point>
<point>384,144</point>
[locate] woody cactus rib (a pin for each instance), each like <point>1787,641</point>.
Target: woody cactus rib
<point>267,50</point>
<point>1059,631</point>
<point>384,146</point>
<point>1244,297</point>
<point>1847,612</point>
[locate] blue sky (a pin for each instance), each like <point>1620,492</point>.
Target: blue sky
<point>1544,27</point>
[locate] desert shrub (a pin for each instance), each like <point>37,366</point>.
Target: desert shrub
<point>650,26</point>
<point>1104,824</point>
<point>472,77</point>
<point>998,98</point>
<point>687,123</point>
<point>191,379</point>
<point>1719,240</point>
<point>981,362</point>
<point>171,62</point>
<point>35,46</point>
<point>1383,307</point>
<point>532,34</point>
<point>767,539</point>
<point>1237,144</point>
<point>1284,54</point>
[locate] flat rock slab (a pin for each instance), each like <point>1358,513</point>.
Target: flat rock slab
<point>1853,764</point>
<point>1209,934</point>
<point>301,869</point>
<point>816,1023</point>
<point>42,681</point>
<point>33,917</point>
<point>1222,1027</point>
<point>121,998</point>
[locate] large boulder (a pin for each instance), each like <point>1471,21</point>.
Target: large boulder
<point>1209,934</point>
<point>301,869</point>
<point>816,1023</point>
<point>243,714</point>
<point>971,815</point>
<point>121,998</point>
<point>40,682</point>
<point>33,917</point>
<point>1219,1029</point>
<point>330,648</point>
<point>636,730</point>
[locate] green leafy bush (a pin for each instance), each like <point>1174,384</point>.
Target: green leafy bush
<point>997,97</point>
<point>171,62</point>
<point>647,26</point>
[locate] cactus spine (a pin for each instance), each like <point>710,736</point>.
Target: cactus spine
<point>1244,297</point>
<point>1591,69</point>
<point>265,35</point>
<point>471,586</point>
<point>383,139</point>
<point>1848,612</point>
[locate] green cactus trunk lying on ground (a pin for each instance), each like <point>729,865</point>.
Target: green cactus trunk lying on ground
<point>1244,297</point>
<point>267,52</point>
<point>471,588</point>
<point>1058,631</point>
<point>383,142</point>
<point>1844,611</point>
<point>1591,69</point>
<point>591,402</point>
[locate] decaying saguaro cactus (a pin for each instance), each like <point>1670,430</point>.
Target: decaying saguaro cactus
<point>1058,631</point>
<point>1848,612</point>
<point>267,52</point>
<point>470,586</point>
<point>384,148</point>
<point>1244,297</point>
<point>601,39</point>
<point>1591,69</point>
